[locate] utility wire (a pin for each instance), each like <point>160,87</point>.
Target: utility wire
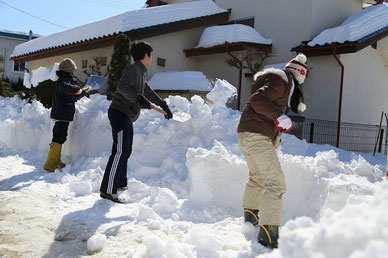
<point>32,15</point>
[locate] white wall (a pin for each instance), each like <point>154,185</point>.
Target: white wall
<point>7,45</point>
<point>321,88</point>
<point>169,47</point>
<point>331,13</point>
<point>365,86</point>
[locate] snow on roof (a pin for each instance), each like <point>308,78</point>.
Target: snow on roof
<point>137,19</point>
<point>186,80</point>
<point>219,35</point>
<point>365,23</point>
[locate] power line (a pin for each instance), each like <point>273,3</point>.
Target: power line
<point>32,15</point>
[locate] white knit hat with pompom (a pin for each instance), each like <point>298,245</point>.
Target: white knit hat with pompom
<point>298,67</point>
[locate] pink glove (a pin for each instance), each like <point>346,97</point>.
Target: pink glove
<point>283,123</point>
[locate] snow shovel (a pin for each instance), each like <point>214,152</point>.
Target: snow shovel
<point>277,139</point>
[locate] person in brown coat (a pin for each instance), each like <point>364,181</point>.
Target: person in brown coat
<point>261,120</point>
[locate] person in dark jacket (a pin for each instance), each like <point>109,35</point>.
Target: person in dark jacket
<point>62,111</point>
<point>132,94</point>
<point>261,120</point>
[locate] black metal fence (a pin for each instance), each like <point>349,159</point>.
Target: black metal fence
<point>353,137</point>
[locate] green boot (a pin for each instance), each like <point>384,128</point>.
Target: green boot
<point>49,165</point>
<point>268,236</point>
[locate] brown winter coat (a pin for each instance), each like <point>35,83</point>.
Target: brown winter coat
<point>270,92</point>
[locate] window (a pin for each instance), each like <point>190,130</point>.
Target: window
<point>250,21</point>
<point>19,67</point>
<point>84,63</point>
<point>161,62</point>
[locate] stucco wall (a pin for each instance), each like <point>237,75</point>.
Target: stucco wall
<point>169,47</point>
<point>77,58</point>
<point>365,86</point>
<point>7,45</point>
<point>331,13</point>
<point>321,88</point>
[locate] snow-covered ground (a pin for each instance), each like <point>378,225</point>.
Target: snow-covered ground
<point>186,178</point>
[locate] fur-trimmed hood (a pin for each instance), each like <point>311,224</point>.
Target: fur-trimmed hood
<point>296,94</point>
<point>277,71</point>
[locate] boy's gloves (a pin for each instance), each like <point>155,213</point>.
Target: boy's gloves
<point>165,108</point>
<point>143,102</point>
<point>283,123</point>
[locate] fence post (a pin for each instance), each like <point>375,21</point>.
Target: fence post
<point>312,133</point>
<point>381,140</point>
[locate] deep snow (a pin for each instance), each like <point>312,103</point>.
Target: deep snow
<point>184,189</point>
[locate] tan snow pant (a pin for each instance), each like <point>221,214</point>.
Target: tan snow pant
<point>266,184</point>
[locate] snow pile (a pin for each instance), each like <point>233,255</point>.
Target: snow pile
<point>39,75</point>
<point>358,230</point>
<point>219,35</point>
<point>186,80</point>
<point>370,20</point>
<point>96,243</point>
<point>185,186</point>
<point>222,91</point>
<point>132,20</point>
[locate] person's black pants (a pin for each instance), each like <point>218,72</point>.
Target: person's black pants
<point>116,170</point>
<point>60,132</point>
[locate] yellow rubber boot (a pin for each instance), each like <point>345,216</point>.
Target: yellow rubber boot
<point>58,151</point>
<point>51,159</point>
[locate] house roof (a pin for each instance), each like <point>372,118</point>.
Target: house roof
<point>17,35</point>
<point>218,35</point>
<point>180,81</point>
<point>233,37</point>
<point>131,22</point>
<point>355,33</point>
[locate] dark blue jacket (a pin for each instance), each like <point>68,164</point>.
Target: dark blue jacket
<point>65,96</point>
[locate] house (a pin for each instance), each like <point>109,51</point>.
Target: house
<point>347,81</point>
<point>8,41</point>
<point>169,28</point>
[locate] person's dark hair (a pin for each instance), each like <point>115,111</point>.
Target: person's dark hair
<point>139,49</point>
<point>61,73</point>
<point>296,97</point>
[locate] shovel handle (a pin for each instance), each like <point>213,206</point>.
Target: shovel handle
<point>277,139</point>
<point>161,111</point>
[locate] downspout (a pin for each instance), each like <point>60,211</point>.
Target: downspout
<point>239,77</point>
<point>340,96</point>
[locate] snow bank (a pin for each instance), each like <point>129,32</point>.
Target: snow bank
<point>362,24</point>
<point>39,75</point>
<point>186,80</point>
<point>222,91</point>
<point>358,230</point>
<point>185,185</point>
<point>219,35</point>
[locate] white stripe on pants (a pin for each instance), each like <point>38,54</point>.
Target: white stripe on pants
<point>116,161</point>
<point>266,185</point>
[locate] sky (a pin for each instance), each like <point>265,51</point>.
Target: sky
<point>59,14</point>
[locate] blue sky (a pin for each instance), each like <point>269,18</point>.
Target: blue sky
<point>66,13</point>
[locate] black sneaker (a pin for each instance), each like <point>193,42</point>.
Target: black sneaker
<point>112,197</point>
<point>123,188</point>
